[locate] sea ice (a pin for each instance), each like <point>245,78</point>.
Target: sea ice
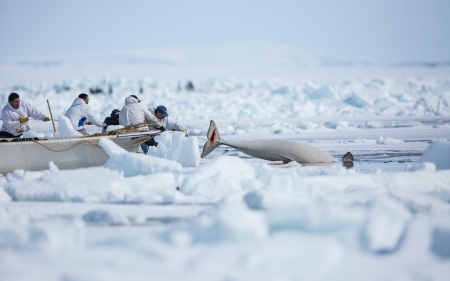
<point>388,140</point>
<point>386,225</point>
<point>32,134</point>
<point>175,146</point>
<point>132,164</point>
<point>65,128</point>
<point>326,92</point>
<point>438,152</point>
<point>105,217</point>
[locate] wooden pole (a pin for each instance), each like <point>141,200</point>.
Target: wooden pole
<point>51,115</point>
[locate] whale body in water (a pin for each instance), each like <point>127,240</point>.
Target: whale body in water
<point>272,150</point>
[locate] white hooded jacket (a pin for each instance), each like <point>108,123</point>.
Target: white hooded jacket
<point>11,116</point>
<point>133,114</point>
<point>79,113</point>
<point>168,123</point>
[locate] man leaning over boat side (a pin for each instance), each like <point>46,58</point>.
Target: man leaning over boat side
<point>135,115</point>
<point>79,114</point>
<point>15,116</point>
<point>160,112</point>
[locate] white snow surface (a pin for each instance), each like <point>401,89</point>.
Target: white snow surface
<point>169,215</point>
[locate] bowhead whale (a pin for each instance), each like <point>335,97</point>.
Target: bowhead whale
<point>272,150</point>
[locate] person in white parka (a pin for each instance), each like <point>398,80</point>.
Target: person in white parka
<point>15,116</point>
<point>160,112</point>
<point>134,114</point>
<point>79,114</point>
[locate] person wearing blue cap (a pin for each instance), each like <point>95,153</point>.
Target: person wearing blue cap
<point>160,112</point>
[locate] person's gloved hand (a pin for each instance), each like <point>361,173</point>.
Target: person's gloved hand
<point>23,119</point>
<point>89,123</point>
<point>46,119</point>
<point>151,142</point>
<point>162,128</point>
<point>21,129</point>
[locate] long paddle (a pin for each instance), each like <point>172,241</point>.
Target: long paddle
<point>51,115</point>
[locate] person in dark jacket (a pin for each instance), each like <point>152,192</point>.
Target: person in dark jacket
<point>111,120</point>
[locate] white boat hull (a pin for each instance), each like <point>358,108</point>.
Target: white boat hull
<point>66,153</point>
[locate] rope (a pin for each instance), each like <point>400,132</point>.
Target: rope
<point>63,150</point>
<point>123,130</point>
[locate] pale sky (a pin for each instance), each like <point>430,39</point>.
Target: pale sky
<point>384,30</point>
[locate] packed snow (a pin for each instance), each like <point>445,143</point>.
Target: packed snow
<point>169,215</point>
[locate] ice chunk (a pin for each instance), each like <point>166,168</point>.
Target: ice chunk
<point>105,217</point>
<point>133,164</point>
<point>175,146</point>
<point>81,185</point>
<point>157,188</point>
<point>440,244</point>
<point>52,167</point>
<point>438,152</point>
<point>421,166</point>
<point>32,134</point>
<point>356,101</point>
<point>373,124</point>
<point>251,224</point>
<point>388,140</point>
<point>386,225</point>
<point>326,92</point>
<point>307,109</point>
<point>220,177</point>
<point>49,237</point>
<point>4,197</point>
<point>65,128</point>
<point>110,147</point>
<point>224,225</point>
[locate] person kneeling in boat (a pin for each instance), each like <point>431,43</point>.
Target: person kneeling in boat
<point>135,115</point>
<point>79,114</point>
<point>15,116</point>
<point>111,120</point>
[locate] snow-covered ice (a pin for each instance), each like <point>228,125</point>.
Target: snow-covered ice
<point>170,215</point>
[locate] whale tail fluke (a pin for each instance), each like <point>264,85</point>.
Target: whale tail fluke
<point>213,141</point>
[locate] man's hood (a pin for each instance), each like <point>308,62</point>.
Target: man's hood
<point>130,100</point>
<point>78,102</point>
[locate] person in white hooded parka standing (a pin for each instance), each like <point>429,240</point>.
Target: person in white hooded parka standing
<point>79,114</point>
<point>15,116</point>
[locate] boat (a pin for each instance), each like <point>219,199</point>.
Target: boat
<point>34,154</point>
